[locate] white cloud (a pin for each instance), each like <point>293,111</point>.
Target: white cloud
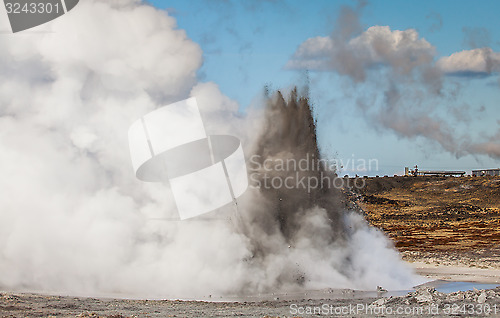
<point>407,80</point>
<point>476,61</point>
<point>401,50</point>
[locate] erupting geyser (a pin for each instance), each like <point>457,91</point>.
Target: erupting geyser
<point>75,220</point>
<point>302,236</point>
<point>289,135</point>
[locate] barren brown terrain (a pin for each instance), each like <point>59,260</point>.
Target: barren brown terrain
<point>456,217</point>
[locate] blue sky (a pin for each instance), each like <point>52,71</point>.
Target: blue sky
<point>247,44</point>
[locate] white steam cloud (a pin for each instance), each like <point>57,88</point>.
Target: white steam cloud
<point>73,219</point>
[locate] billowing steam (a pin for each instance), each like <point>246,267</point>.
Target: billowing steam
<point>73,219</point>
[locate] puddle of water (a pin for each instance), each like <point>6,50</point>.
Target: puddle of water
<point>451,287</point>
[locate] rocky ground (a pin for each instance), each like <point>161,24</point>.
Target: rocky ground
<point>454,216</point>
<point>425,302</point>
<point>429,302</point>
<point>447,227</point>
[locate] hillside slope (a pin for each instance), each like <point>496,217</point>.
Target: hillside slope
<point>432,214</point>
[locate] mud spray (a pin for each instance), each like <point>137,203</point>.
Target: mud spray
<point>305,237</point>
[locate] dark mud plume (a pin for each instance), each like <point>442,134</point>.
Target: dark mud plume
<point>289,136</point>
<point>287,149</point>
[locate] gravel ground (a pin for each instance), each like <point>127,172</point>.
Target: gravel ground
<point>425,302</point>
<point>29,305</point>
